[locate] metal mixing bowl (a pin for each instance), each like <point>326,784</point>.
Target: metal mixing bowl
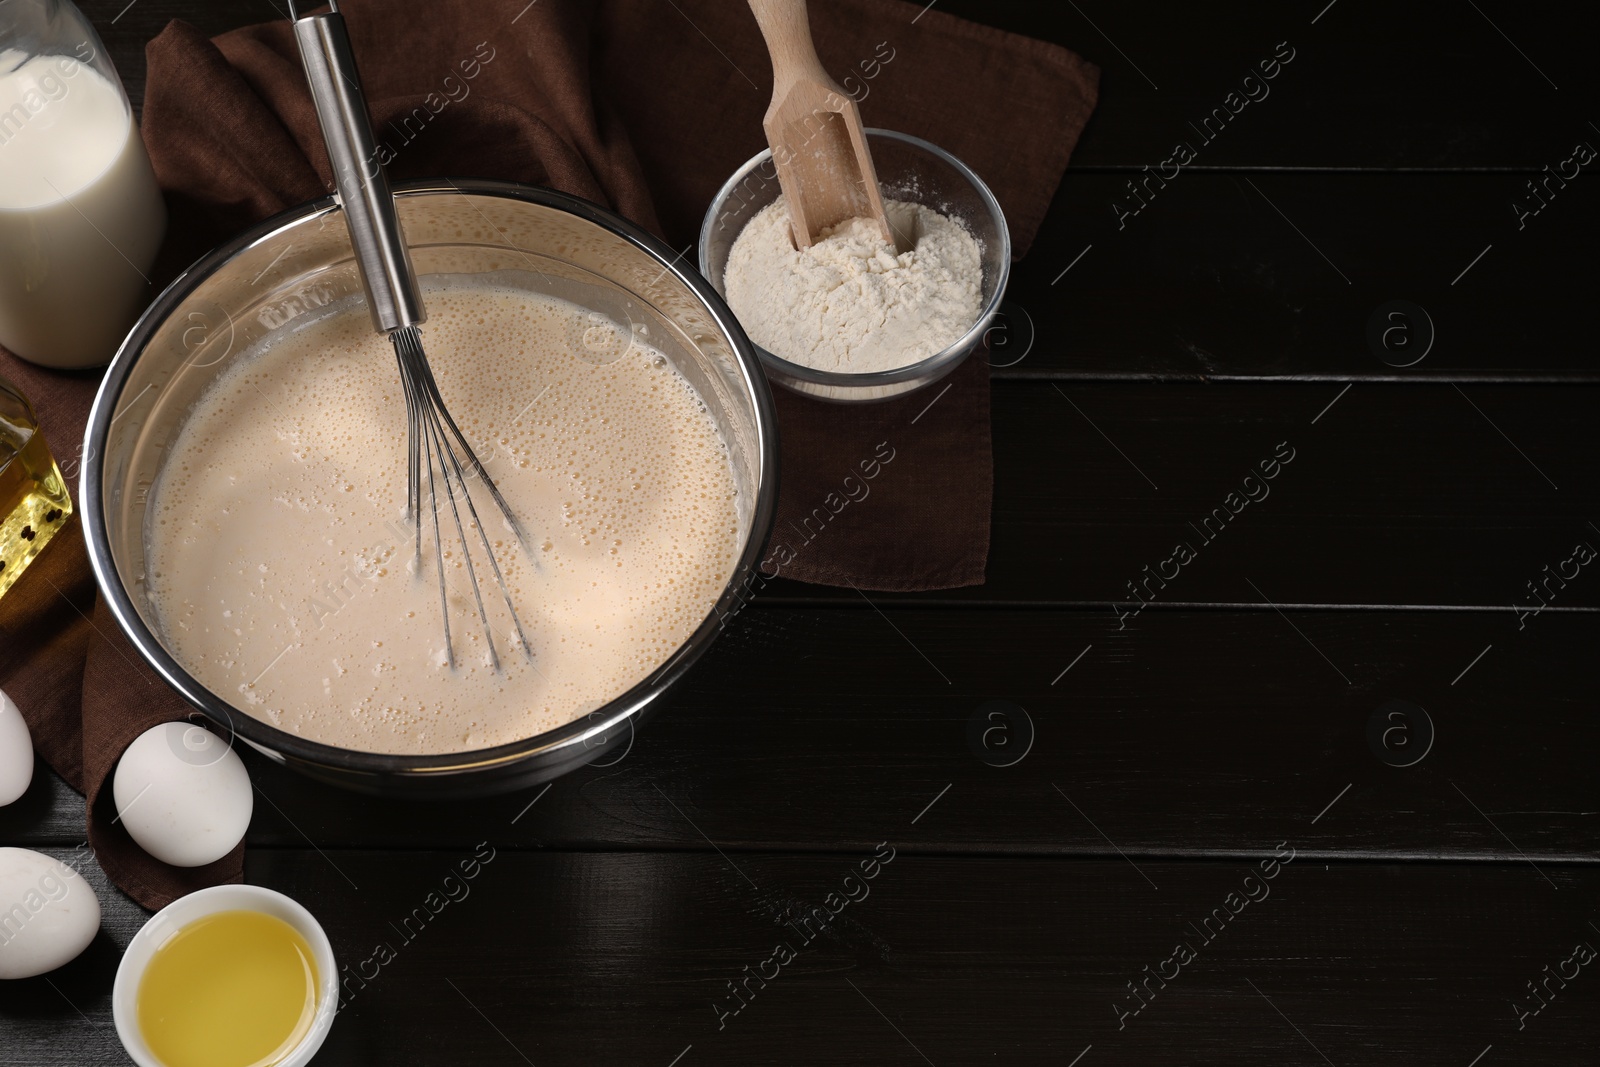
<point>909,168</point>
<point>299,262</point>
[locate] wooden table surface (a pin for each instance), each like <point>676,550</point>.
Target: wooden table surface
<point>1338,759</point>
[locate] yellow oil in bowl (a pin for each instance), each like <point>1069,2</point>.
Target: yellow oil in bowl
<point>232,989</point>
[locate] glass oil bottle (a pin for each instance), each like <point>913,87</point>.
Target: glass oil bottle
<point>34,505</point>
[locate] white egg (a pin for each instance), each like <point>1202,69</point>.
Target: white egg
<point>183,794</point>
<point>16,752</point>
<point>50,913</point>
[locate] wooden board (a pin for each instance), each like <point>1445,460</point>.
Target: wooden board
<point>1183,734</point>
<point>552,957</point>
<point>1072,788</point>
<point>1274,275</point>
<point>1382,87</point>
<point>1437,495</point>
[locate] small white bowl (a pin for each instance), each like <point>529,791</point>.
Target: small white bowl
<point>185,910</point>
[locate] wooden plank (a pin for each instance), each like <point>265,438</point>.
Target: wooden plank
<point>1370,87</point>
<point>1181,734</point>
<point>1276,275</point>
<point>1425,495</point>
<point>548,957</point>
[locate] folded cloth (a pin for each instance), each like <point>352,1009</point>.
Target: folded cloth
<point>691,81</point>
<point>624,102</point>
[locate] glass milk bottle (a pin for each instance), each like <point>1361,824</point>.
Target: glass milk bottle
<point>81,216</point>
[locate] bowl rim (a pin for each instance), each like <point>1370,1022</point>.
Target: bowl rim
<point>232,896</point>
<point>933,367</point>
<point>270,739</point>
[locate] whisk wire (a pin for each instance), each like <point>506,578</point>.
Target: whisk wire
<point>436,445</point>
<point>488,550</point>
<point>438,553</point>
<point>434,440</point>
<point>430,390</point>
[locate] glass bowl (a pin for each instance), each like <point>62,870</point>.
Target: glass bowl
<point>909,168</point>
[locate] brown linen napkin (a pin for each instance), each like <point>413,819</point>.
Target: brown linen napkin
<point>691,80</point>
<point>891,495</point>
<point>543,93</point>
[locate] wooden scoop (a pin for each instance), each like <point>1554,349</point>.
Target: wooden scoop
<point>814,129</point>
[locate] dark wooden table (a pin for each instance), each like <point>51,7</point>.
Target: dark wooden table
<point>1432,862</point>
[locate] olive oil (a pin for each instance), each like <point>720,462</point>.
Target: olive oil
<point>34,504</point>
<point>232,989</point>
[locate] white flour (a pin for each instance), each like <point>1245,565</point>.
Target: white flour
<point>848,303</point>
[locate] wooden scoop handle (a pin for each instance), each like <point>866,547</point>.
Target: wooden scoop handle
<point>818,145</point>
<point>787,29</point>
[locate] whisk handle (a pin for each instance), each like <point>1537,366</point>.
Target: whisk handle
<point>363,191</point>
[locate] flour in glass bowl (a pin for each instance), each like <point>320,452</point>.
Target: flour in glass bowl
<point>849,302</point>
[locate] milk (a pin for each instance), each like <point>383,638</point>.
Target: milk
<point>81,216</point>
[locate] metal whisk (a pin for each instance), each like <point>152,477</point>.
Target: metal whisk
<point>438,453</point>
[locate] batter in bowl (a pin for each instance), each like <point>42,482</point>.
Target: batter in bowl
<point>281,568</point>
